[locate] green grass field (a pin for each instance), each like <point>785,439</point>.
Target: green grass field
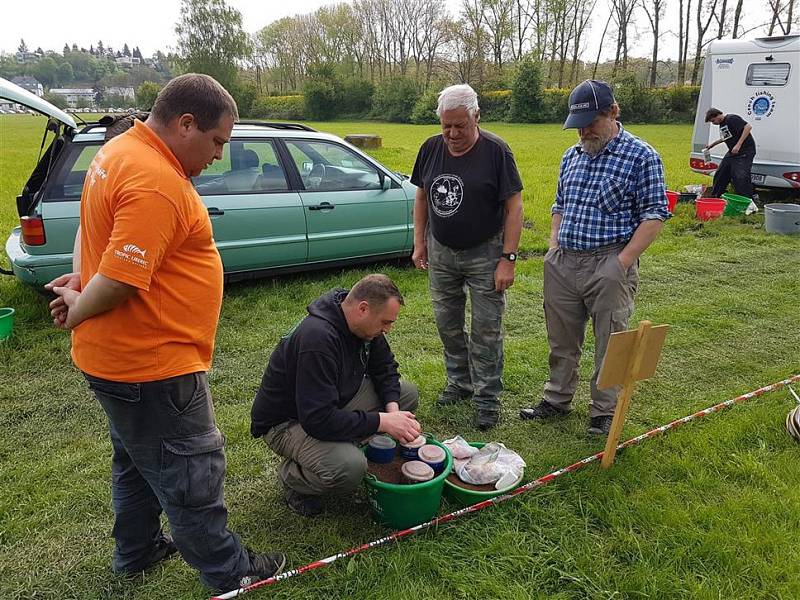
<point>709,511</point>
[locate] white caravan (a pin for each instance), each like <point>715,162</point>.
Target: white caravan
<point>759,80</point>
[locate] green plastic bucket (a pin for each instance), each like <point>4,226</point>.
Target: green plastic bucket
<point>6,323</point>
<point>735,204</point>
<point>466,497</point>
<point>402,506</point>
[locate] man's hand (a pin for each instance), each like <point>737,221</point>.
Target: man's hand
<point>420,256</point>
<point>58,309</point>
<point>503,275</point>
<point>401,425</point>
<point>63,318</point>
<point>736,148</point>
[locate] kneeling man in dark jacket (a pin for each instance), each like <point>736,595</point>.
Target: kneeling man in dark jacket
<point>332,382</point>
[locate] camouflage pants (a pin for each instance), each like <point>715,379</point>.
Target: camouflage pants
<point>474,359</point>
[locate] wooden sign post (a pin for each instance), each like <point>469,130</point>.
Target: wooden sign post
<point>630,357</point>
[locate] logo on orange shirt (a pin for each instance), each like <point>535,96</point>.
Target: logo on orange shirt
<point>127,254</point>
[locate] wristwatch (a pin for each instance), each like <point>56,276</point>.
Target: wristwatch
<point>509,256</point>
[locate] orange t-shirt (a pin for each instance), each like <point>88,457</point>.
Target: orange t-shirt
<point>142,223</point>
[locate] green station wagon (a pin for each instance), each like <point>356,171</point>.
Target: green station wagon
<point>283,198</point>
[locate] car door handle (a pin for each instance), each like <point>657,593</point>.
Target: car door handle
<point>323,206</point>
<point>215,212</point>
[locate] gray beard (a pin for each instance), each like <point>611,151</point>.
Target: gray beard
<point>594,147</point>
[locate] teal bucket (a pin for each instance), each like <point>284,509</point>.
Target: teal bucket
<point>403,506</point>
<point>6,323</point>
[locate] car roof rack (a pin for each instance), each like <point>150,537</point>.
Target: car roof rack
<point>277,125</point>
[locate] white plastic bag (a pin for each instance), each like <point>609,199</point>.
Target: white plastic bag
<point>494,463</point>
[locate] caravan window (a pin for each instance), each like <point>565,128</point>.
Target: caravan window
<point>761,74</point>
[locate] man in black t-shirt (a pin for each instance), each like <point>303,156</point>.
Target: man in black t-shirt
<point>738,161</point>
<point>467,225</point>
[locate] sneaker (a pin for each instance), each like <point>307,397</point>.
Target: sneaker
<point>302,504</point>
<point>543,410</point>
<point>486,419</point>
<point>162,550</point>
<point>600,425</point>
<point>449,397</point>
<point>263,566</point>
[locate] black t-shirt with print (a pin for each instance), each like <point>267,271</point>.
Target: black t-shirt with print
<point>466,194</point>
<point>731,130</point>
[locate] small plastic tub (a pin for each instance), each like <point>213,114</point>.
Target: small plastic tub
<point>434,456</point>
<point>416,471</point>
<point>410,451</point>
<point>6,323</point>
<point>687,197</point>
<point>707,209</point>
<point>735,204</point>
<point>381,449</point>
<point>672,200</point>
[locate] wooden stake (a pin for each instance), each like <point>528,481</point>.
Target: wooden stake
<point>629,384</point>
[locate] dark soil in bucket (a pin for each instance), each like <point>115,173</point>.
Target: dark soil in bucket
<point>486,487</point>
<point>388,472</point>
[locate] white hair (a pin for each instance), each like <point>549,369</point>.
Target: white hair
<point>458,96</point>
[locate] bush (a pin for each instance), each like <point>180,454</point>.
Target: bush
<point>245,95</point>
<point>289,108</point>
<point>320,96</point>
<point>527,93</point>
<point>355,96</point>
<point>555,105</point>
<point>495,105</point>
<point>424,112</point>
<point>637,103</point>
<point>395,99</point>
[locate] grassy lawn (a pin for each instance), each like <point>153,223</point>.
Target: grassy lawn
<point>709,511</point>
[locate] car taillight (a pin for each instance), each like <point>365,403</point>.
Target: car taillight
<point>32,231</point>
<point>792,176</point>
<point>701,165</point>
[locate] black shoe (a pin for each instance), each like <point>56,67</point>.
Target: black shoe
<point>262,566</point>
<point>307,506</point>
<point>600,425</point>
<point>449,397</point>
<point>486,419</point>
<point>543,410</point>
<point>162,550</point>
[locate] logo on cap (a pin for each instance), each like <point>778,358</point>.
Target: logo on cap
<point>580,106</point>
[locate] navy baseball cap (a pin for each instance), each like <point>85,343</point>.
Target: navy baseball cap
<point>585,101</point>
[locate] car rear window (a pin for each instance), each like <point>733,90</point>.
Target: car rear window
<point>66,184</point>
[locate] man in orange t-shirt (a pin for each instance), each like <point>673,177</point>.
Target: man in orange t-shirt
<point>143,311</point>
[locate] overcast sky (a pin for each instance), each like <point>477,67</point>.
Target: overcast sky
<point>150,23</point>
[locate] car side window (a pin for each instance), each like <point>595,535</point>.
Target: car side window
<point>68,182</point>
<point>246,167</point>
<point>326,166</point>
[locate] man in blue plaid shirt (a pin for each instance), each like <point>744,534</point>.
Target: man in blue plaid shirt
<point>610,205</point>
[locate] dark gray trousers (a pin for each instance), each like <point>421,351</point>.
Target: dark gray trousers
<point>168,454</point>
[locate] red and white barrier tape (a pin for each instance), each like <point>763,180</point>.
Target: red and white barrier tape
<point>498,499</point>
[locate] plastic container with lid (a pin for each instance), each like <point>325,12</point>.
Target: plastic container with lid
<point>433,456</point>
<point>410,450</point>
<point>416,471</point>
<point>381,449</point>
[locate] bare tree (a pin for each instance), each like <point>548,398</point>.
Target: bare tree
<point>778,9</point>
<point>684,20</point>
<point>702,28</point>
<point>736,16</point>
<point>497,15</point>
<point>654,9</point>
<point>623,13</point>
<point>600,49</point>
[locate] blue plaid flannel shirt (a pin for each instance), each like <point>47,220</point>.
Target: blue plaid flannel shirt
<point>602,200</point>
